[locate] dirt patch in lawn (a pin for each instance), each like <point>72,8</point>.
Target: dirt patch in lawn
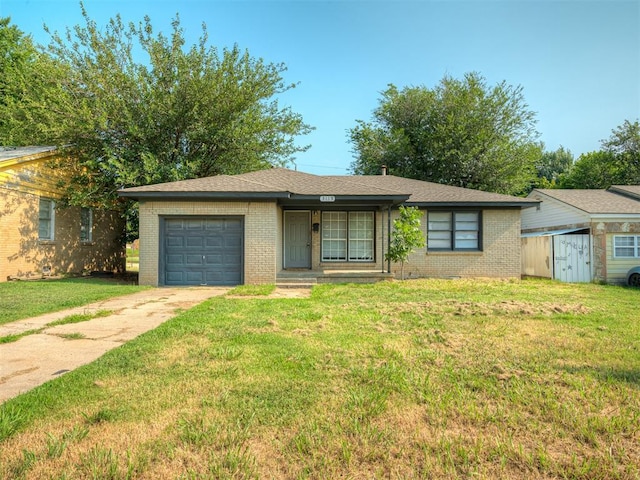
<point>506,307</point>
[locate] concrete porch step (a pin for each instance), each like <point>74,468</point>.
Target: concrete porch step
<point>295,279</point>
<point>280,284</point>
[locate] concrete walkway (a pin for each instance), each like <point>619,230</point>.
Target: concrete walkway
<point>40,357</point>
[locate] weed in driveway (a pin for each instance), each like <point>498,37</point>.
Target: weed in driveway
<point>80,317</point>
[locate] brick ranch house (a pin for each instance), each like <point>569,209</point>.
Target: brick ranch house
<point>39,237</point>
<point>270,225</point>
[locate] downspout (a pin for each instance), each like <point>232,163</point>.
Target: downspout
<point>388,239</point>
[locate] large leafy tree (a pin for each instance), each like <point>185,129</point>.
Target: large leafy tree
<point>552,165</point>
<point>461,132</point>
<point>591,170</point>
<point>27,81</point>
<point>16,52</point>
<point>135,107</point>
<point>624,144</point>
<point>617,163</point>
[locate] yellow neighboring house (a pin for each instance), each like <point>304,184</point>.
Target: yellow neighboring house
<point>41,238</point>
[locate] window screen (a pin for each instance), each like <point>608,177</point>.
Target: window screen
<point>453,231</point>
<point>46,219</point>
<point>348,236</point>
<point>86,225</point>
<point>626,246</point>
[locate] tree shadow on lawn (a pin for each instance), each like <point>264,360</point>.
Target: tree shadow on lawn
<point>630,376</point>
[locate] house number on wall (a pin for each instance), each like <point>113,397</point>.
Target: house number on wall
<point>327,198</point>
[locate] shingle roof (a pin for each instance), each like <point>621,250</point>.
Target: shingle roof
<point>12,153</point>
<point>429,193</point>
<point>300,183</point>
<point>218,183</point>
<point>594,201</point>
<point>285,183</point>
<point>629,190</point>
<point>274,180</point>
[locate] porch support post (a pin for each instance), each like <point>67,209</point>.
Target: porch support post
<point>388,239</point>
<point>382,235</point>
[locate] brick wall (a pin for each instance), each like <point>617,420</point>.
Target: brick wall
<point>23,255</point>
<point>260,235</point>
<point>500,257</point>
<point>606,268</point>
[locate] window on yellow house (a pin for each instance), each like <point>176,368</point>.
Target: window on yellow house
<point>86,225</point>
<point>46,219</point>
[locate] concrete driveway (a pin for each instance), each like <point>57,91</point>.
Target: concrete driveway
<point>38,358</point>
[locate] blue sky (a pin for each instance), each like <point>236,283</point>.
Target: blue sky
<point>578,61</point>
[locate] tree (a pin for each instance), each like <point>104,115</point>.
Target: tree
<point>591,170</point>
<point>405,237</point>
<point>462,133</point>
<point>618,163</point>
<point>16,51</point>
<point>136,107</point>
<point>25,88</point>
<point>552,165</point>
<point>624,144</point>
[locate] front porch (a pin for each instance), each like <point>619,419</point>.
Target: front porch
<point>309,278</point>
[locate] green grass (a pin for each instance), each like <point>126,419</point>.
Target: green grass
<point>252,290</point>
<point>420,379</point>
<point>20,300</point>
<point>72,336</point>
<point>133,259</point>
<point>76,318</point>
<point>80,317</point>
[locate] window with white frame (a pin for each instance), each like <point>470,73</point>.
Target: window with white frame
<point>347,236</point>
<point>86,225</point>
<point>360,236</point>
<point>454,231</point>
<point>626,246</point>
<point>46,218</point>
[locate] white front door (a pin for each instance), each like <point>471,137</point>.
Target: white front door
<point>572,258</point>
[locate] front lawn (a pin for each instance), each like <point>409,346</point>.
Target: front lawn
<point>420,379</point>
<point>25,299</point>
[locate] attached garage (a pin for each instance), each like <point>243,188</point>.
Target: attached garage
<point>207,250</point>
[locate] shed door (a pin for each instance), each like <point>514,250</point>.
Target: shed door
<point>202,251</point>
<point>571,258</point>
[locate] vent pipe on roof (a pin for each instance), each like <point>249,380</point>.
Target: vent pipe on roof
<point>383,170</point>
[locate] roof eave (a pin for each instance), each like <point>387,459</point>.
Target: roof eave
<point>467,204</point>
<point>615,216</point>
<point>167,195</point>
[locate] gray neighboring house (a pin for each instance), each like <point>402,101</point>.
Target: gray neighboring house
<point>277,225</point>
<point>582,235</point>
